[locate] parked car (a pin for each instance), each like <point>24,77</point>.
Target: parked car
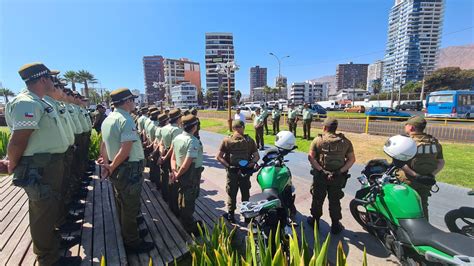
<point>355,109</point>
<point>248,111</point>
<point>316,109</point>
<point>411,105</point>
<point>388,112</point>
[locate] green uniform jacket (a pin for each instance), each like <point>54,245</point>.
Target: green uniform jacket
<point>187,145</point>
<point>292,113</point>
<point>168,133</point>
<point>307,115</point>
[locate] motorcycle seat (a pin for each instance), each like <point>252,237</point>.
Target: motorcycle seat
<point>422,233</point>
<point>267,194</point>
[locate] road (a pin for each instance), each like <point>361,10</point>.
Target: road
<point>354,237</point>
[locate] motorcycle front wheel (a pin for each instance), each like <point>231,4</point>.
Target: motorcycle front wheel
<point>360,214</point>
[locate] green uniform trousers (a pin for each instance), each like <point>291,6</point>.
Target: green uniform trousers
<point>265,124</point>
<point>259,138</point>
<point>45,173</point>
<point>307,129</point>
<point>66,193</point>
<point>76,174</point>
<point>127,181</point>
<point>276,125</point>
<point>188,192</point>
<point>333,189</point>
<point>292,126</point>
<point>164,179</point>
<point>234,182</point>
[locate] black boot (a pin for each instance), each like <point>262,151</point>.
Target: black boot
<point>230,217</point>
<point>336,227</point>
<point>312,221</point>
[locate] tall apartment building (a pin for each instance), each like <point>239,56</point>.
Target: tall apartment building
<point>219,49</point>
<point>154,72</point>
<point>258,77</point>
<point>181,70</point>
<point>414,36</point>
<point>351,76</point>
<point>308,92</point>
<point>374,75</point>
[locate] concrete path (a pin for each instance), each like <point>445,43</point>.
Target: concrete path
<point>354,237</point>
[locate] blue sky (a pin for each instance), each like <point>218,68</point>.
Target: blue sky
<point>109,38</point>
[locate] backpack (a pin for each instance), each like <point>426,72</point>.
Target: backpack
<point>333,153</point>
<point>239,149</point>
<point>425,161</point>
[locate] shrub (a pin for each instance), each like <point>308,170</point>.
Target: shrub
<point>4,138</point>
<point>94,147</point>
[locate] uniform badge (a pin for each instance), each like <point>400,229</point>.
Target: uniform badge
<point>29,115</point>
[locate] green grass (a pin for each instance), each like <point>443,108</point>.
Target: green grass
<point>345,115</point>
<point>458,157</point>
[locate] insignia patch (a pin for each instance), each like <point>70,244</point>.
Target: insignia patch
<point>29,115</point>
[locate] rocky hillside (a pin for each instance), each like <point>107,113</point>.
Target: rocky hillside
<point>457,56</point>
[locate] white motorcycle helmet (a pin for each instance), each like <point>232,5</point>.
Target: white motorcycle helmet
<point>400,148</point>
<point>285,140</point>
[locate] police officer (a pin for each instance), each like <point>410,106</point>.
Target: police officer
<point>307,119</point>
<point>428,160</point>
<point>331,155</point>
<point>258,122</point>
<point>194,111</point>
<point>36,159</point>
<point>168,133</point>
<point>123,159</point>
<point>234,148</point>
<point>156,153</point>
<point>186,169</point>
<point>99,117</point>
<point>276,114</point>
<point>292,118</point>
<point>150,134</point>
<point>141,120</point>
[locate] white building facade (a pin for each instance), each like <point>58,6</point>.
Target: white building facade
<point>414,37</point>
<point>184,95</point>
<point>374,75</point>
<point>308,92</point>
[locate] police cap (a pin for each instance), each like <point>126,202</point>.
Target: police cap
<point>416,121</point>
<point>174,114</point>
<point>189,120</point>
<point>122,94</point>
<point>238,123</point>
<point>33,71</point>
<point>330,121</point>
<point>163,118</point>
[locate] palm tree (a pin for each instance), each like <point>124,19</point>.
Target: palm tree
<point>6,92</point>
<point>85,77</point>
<point>209,97</point>
<point>266,91</point>
<point>238,95</point>
<point>71,77</point>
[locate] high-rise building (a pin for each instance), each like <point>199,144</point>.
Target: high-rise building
<point>154,72</point>
<point>351,75</point>
<point>219,49</point>
<point>414,36</point>
<point>181,70</point>
<point>374,75</point>
<point>258,77</point>
<point>307,92</point>
<point>282,83</point>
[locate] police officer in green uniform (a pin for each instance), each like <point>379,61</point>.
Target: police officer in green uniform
<point>307,119</point>
<point>186,169</point>
<point>150,135</point>
<point>276,114</point>
<point>168,133</point>
<point>156,153</point>
<point>292,118</point>
<point>123,158</point>
<point>428,160</point>
<point>331,155</point>
<point>233,149</point>
<point>53,98</point>
<point>141,120</point>
<point>194,111</point>
<point>36,159</point>
<point>258,123</point>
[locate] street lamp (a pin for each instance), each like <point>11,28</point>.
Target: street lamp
<point>226,69</point>
<point>279,68</point>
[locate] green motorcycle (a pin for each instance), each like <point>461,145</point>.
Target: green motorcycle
<point>391,211</point>
<point>273,206</point>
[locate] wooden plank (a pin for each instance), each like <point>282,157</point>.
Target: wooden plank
<point>168,224</point>
<point>29,258</point>
<point>10,202</point>
<point>162,254</point>
<point>111,246</point>
<point>98,244</point>
<point>22,203</point>
<point>7,193</point>
<point>85,249</point>
<point>118,232</point>
<point>20,251</point>
<point>13,225</point>
<point>13,241</point>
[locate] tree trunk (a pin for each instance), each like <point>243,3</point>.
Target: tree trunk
<point>86,89</point>
<point>73,84</point>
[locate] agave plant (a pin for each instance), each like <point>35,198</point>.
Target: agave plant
<point>94,147</point>
<point>4,138</point>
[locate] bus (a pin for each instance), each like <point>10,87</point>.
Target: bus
<point>450,104</point>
